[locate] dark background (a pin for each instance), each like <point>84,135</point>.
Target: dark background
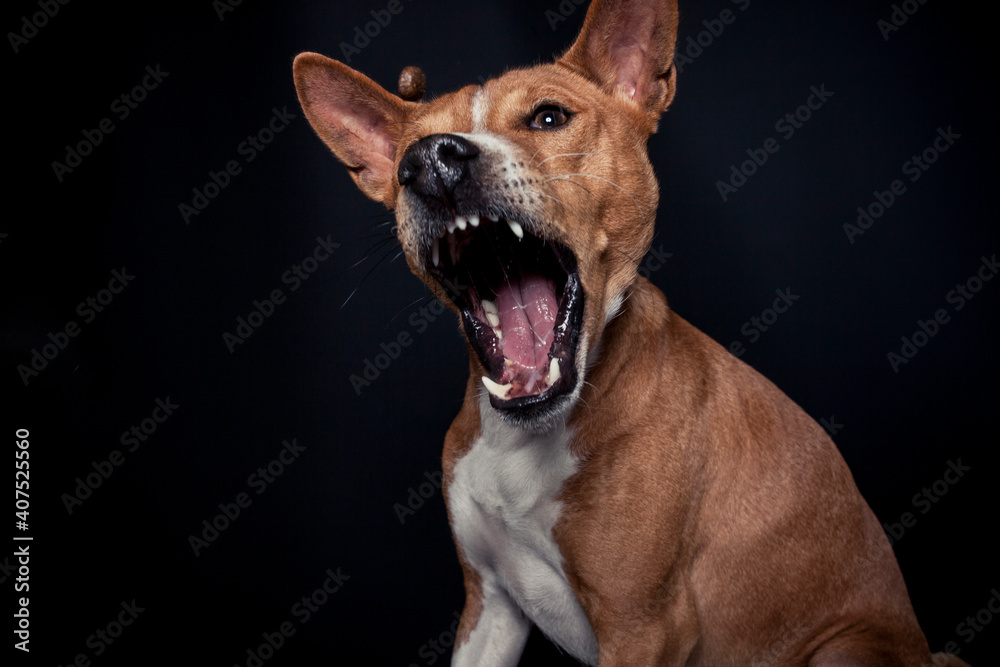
<point>334,506</point>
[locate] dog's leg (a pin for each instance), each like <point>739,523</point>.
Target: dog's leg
<point>499,631</point>
<point>641,654</point>
<point>645,642</point>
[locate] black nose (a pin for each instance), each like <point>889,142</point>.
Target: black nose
<point>436,165</point>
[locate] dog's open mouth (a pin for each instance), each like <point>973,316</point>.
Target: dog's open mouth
<point>521,303</point>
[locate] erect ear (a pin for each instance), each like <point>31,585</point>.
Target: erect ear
<point>627,47</point>
<point>358,119</point>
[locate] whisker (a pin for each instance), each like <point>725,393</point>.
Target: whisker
<point>378,263</point>
<point>559,200</point>
<point>374,231</point>
<point>568,180</point>
<point>606,181</point>
<point>372,248</point>
<point>375,235</point>
<point>562,155</point>
<point>636,258</point>
<point>422,300</point>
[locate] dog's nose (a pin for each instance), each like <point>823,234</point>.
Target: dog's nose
<point>436,164</point>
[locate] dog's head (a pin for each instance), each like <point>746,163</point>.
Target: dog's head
<point>525,203</point>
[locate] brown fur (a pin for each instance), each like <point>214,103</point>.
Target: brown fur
<point>711,521</point>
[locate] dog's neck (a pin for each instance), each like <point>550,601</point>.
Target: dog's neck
<point>624,361</point>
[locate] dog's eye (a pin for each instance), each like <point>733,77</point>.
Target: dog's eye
<point>548,117</point>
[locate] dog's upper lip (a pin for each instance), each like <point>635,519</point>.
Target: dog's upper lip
<point>462,222</point>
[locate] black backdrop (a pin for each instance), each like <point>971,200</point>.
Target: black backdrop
<point>214,78</point>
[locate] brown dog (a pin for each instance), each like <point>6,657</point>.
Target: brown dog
<point>614,476</point>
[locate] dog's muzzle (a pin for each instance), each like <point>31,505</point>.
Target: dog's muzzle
<point>436,166</point>
<point>518,291</point>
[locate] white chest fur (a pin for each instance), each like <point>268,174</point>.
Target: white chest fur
<point>503,504</point>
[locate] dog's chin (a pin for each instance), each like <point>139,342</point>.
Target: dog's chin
<point>541,418</point>
<point>538,413</point>
<point>521,304</point>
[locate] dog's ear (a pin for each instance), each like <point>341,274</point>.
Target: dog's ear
<point>627,47</point>
<point>359,120</point>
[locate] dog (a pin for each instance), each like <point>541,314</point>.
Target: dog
<point>614,476</point>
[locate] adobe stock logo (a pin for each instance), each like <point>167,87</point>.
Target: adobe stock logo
<point>691,49</point>
<point>418,496</point>
<point>31,25</point>
<point>252,146</point>
<point>302,611</point>
<point>975,624</point>
<point>787,125</point>
<point>433,649</point>
<point>898,18</point>
<point>925,499</point>
<point>259,481</point>
<point>566,9</point>
<point>959,296</point>
<point>392,350</point>
<point>223,7</point>
<point>293,277</point>
<point>122,107</point>
<point>104,637</point>
<point>132,439</point>
<point>372,29</point>
<point>755,326</point>
<point>914,168</point>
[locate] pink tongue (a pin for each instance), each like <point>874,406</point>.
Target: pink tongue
<point>527,316</point>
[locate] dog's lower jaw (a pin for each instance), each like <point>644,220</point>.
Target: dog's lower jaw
<point>560,411</point>
<point>553,415</point>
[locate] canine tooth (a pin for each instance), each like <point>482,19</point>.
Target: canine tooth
<point>460,222</point>
<point>490,307</point>
<point>435,252</point>
<point>498,390</point>
<point>474,220</point>
<point>554,373</point>
<point>516,228</point>
<point>493,319</point>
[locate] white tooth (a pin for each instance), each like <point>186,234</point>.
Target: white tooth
<point>451,226</point>
<point>493,319</point>
<point>435,252</point>
<point>490,307</point>
<point>460,222</point>
<point>554,373</point>
<point>492,217</point>
<point>516,228</point>
<point>474,220</point>
<point>499,334</point>
<point>498,390</point>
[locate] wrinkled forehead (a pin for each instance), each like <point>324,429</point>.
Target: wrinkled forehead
<point>447,114</point>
